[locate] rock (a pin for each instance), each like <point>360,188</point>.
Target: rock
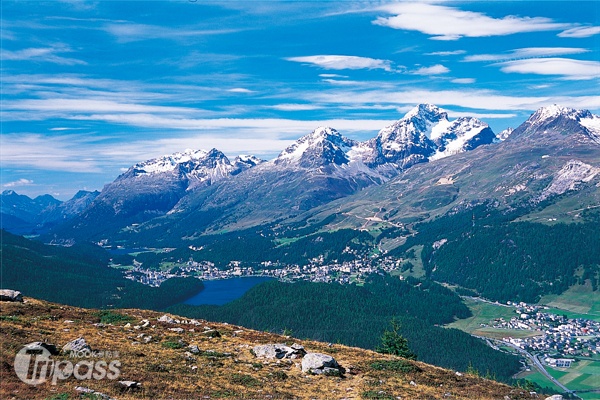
<point>50,347</point>
<point>194,349</point>
<point>177,330</point>
<point>76,345</point>
<point>211,333</point>
<point>11,295</point>
<point>130,384</point>
<point>458,373</point>
<point>317,363</point>
<point>92,393</point>
<point>554,397</point>
<point>279,351</point>
<point>167,319</point>
<point>412,383</point>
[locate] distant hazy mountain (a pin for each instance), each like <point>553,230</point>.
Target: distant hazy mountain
<point>23,215</point>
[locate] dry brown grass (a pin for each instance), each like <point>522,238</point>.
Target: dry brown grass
<point>165,373</point>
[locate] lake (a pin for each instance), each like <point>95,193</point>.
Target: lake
<point>219,292</point>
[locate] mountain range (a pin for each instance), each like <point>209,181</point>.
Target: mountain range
<point>421,166</point>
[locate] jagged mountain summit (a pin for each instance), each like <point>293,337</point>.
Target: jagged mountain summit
<point>426,134</point>
<point>560,120</point>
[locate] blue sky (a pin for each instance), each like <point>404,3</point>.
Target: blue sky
<point>91,87</point>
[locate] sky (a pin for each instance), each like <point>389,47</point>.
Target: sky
<point>90,88</point>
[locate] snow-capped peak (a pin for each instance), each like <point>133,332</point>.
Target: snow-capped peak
<point>322,146</point>
<point>169,162</point>
<point>426,111</point>
<point>554,111</point>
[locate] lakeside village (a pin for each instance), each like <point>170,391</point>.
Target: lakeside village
<point>559,337</point>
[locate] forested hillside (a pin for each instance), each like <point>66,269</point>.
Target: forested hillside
<point>79,276</point>
<point>502,259</point>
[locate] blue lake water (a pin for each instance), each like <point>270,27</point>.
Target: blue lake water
<point>219,292</point>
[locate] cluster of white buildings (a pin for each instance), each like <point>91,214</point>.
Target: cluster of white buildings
<point>559,336</point>
<point>317,270</point>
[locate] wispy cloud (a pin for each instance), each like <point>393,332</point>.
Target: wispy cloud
<point>337,62</point>
<point>85,106</point>
<point>240,90</point>
<point>131,32</point>
<point>18,183</point>
<point>332,76</point>
<point>529,52</point>
<point>476,99</point>
<point>64,153</point>
<point>450,23</point>
<point>295,107</point>
<point>566,68</point>
<point>41,54</point>
<point>433,70</point>
<point>464,81</point>
<point>580,32</point>
<point>446,53</point>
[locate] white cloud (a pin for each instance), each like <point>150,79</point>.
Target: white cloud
<point>295,107</point>
<point>529,52</point>
<point>580,32</point>
<point>344,62</point>
<point>332,76</point>
<point>240,90</point>
<point>464,81</point>
<point>130,32</point>
<point>446,53</point>
<point>84,105</point>
<point>18,183</point>
<point>567,68</point>
<point>43,54</point>
<point>35,151</point>
<point>466,98</point>
<point>433,70</point>
<point>343,83</point>
<point>450,23</point>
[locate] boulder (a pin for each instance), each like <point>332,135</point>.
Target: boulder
<point>317,363</point>
<point>76,345</point>
<point>130,384</point>
<point>50,347</point>
<point>167,319</point>
<point>555,397</point>
<point>10,295</point>
<point>279,351</point>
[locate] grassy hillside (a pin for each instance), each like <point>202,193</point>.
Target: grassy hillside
<point>224,366</point>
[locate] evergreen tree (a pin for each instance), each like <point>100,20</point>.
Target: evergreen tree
<point>392,342</point>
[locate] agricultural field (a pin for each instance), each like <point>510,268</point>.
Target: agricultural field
<point>577,302</point>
